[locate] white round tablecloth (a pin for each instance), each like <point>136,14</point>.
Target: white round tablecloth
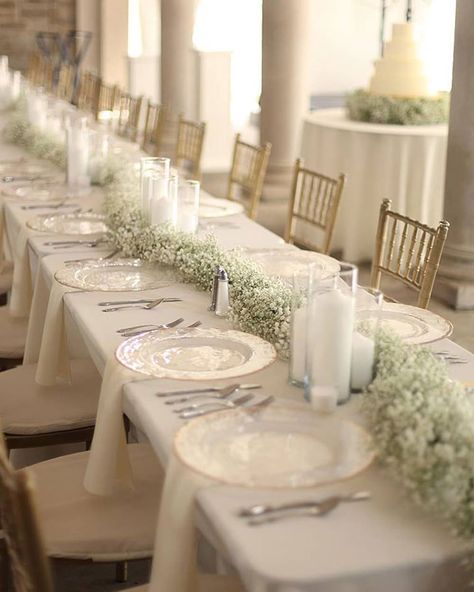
<point>403,163</point>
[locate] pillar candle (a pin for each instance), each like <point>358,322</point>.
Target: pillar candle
<point>362,365</point>
<point>330,331</point>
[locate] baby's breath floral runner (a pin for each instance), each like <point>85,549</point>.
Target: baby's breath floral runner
<point>422,422</point>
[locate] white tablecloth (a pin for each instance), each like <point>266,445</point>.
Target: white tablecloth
<point>402,163</point>
<point>386,544</point>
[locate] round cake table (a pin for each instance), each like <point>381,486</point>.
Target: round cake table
<point>403,163</point>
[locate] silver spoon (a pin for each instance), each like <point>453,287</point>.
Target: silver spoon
<point>202,409</point>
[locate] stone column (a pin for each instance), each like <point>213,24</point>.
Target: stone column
<point>456,275</point>
<point>286,56</point>
<point>114,42</point>
<point>88,18</point>
<point>177,56</point>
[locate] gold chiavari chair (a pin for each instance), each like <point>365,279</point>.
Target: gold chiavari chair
<point>314,203</point>
<point>155,122</point>
<point>408,250</point>
<point>26,545</point>
<point>65,85</point>
<point>129,116</point>
<point>108,101</point>
<point>32,71</point>
<point>249,165</point>
<point>189,146</point>
<point>88,95</point>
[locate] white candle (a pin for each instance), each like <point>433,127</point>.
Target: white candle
<point>324,398</point>
<point>77,156</point>
<point>363,350</point>
<point>16,85</point>
<point>331,341</point>
<point>162,209</point>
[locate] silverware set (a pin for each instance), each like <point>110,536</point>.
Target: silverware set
<point>109,256</point>
<point>222,393</point>
<point>140,329</point>
<point>51,206</point>
<point>144,305</point>
<point>449,357</point>
<point>266,513</point>
<point>14,179</point>
<point>197,410</point>
<point>66,244</point>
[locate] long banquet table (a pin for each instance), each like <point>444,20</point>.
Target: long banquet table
<point>384,544</point>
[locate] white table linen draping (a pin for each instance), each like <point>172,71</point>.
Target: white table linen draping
<point>402,163</point>
<point>22,289</point>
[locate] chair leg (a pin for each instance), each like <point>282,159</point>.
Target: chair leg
<point>4,567</point>
<point>121,571</point>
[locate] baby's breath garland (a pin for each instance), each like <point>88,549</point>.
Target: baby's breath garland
<point>421,421</point>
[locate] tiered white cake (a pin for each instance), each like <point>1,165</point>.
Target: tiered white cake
<point>401,71</point>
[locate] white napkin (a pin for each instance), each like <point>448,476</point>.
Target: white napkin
<point>22,290</point>
<point>175,551</point>
<point>108,468</point>
<point>53,360</point>
<point>37,319</point>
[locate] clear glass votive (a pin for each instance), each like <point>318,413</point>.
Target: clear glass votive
<point>163,192</point>
<point>331,306</point>
<point>99,142</point>
<point>151,167</point>
<point>368,308</point>
<point>188,206</point>
<point>77,172</point>
<point>298,326</point>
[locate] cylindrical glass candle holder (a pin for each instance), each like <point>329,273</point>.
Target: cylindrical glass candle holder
<point>163,199</point>
<point>331,306</point>
<point>152,167</point>
<point>99,141</point>
<point>368,308</point>
<point>298,326</point>
<point>77,173</point>
<point>187,218</point>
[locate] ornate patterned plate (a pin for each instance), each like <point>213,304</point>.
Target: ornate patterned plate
<point>414,325</point>
<point>213,207</point>
<point>71,224</point>
<point>285,262</point>
<point>112,275</point>
<point>276,446</point>
<point>197,354</point>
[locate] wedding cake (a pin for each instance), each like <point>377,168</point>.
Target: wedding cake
<point>401,71</point>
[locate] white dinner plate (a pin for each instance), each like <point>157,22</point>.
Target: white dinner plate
<point>276,446</point>
<point>112,275</point>
<point>213,207</point>
<point>79,224</point>
<point>285,262</point>
<point>412,324</point>
<point>196,354</point>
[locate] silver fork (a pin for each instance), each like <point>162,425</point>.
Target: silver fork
<point>203,408</point>
<point>109,256</point>
<point>140,332</point>
<point>206,389</point>
<point>223,394</point>
<point>170,325</point>
<point>147,306</point>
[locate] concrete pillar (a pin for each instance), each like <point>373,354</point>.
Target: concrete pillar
<point>88,18</point>
<point>456,275</point>
<point>286,53</point>
<point>114,42</point>
<point>177,56</point>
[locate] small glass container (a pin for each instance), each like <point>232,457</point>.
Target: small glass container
<point>188,206</point>
<point>78,150</point>
<point>298,326</point>
<point>152,167</point>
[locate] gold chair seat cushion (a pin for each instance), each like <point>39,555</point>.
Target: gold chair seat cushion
<point>12,335</point>
<point>6,276</point>
<point>206,583</point>
<point>27,408</point>
<point>78,525</point>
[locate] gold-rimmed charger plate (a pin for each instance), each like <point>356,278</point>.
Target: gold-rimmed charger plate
<point>112,275</point>
<point>279,446</point>
<point>413,325</point>
<point>78,224</point>
<point>197,354</point>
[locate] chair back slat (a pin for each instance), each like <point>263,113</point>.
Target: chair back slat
<point>129,116</point>
<point>65,85</point>
<point>189,146</point>
<point>153,130</point>
<point>29,567</point>
<point>88,94</point>
<point>408,250</point>
<point>314,201</point>
<point>249,165</point>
